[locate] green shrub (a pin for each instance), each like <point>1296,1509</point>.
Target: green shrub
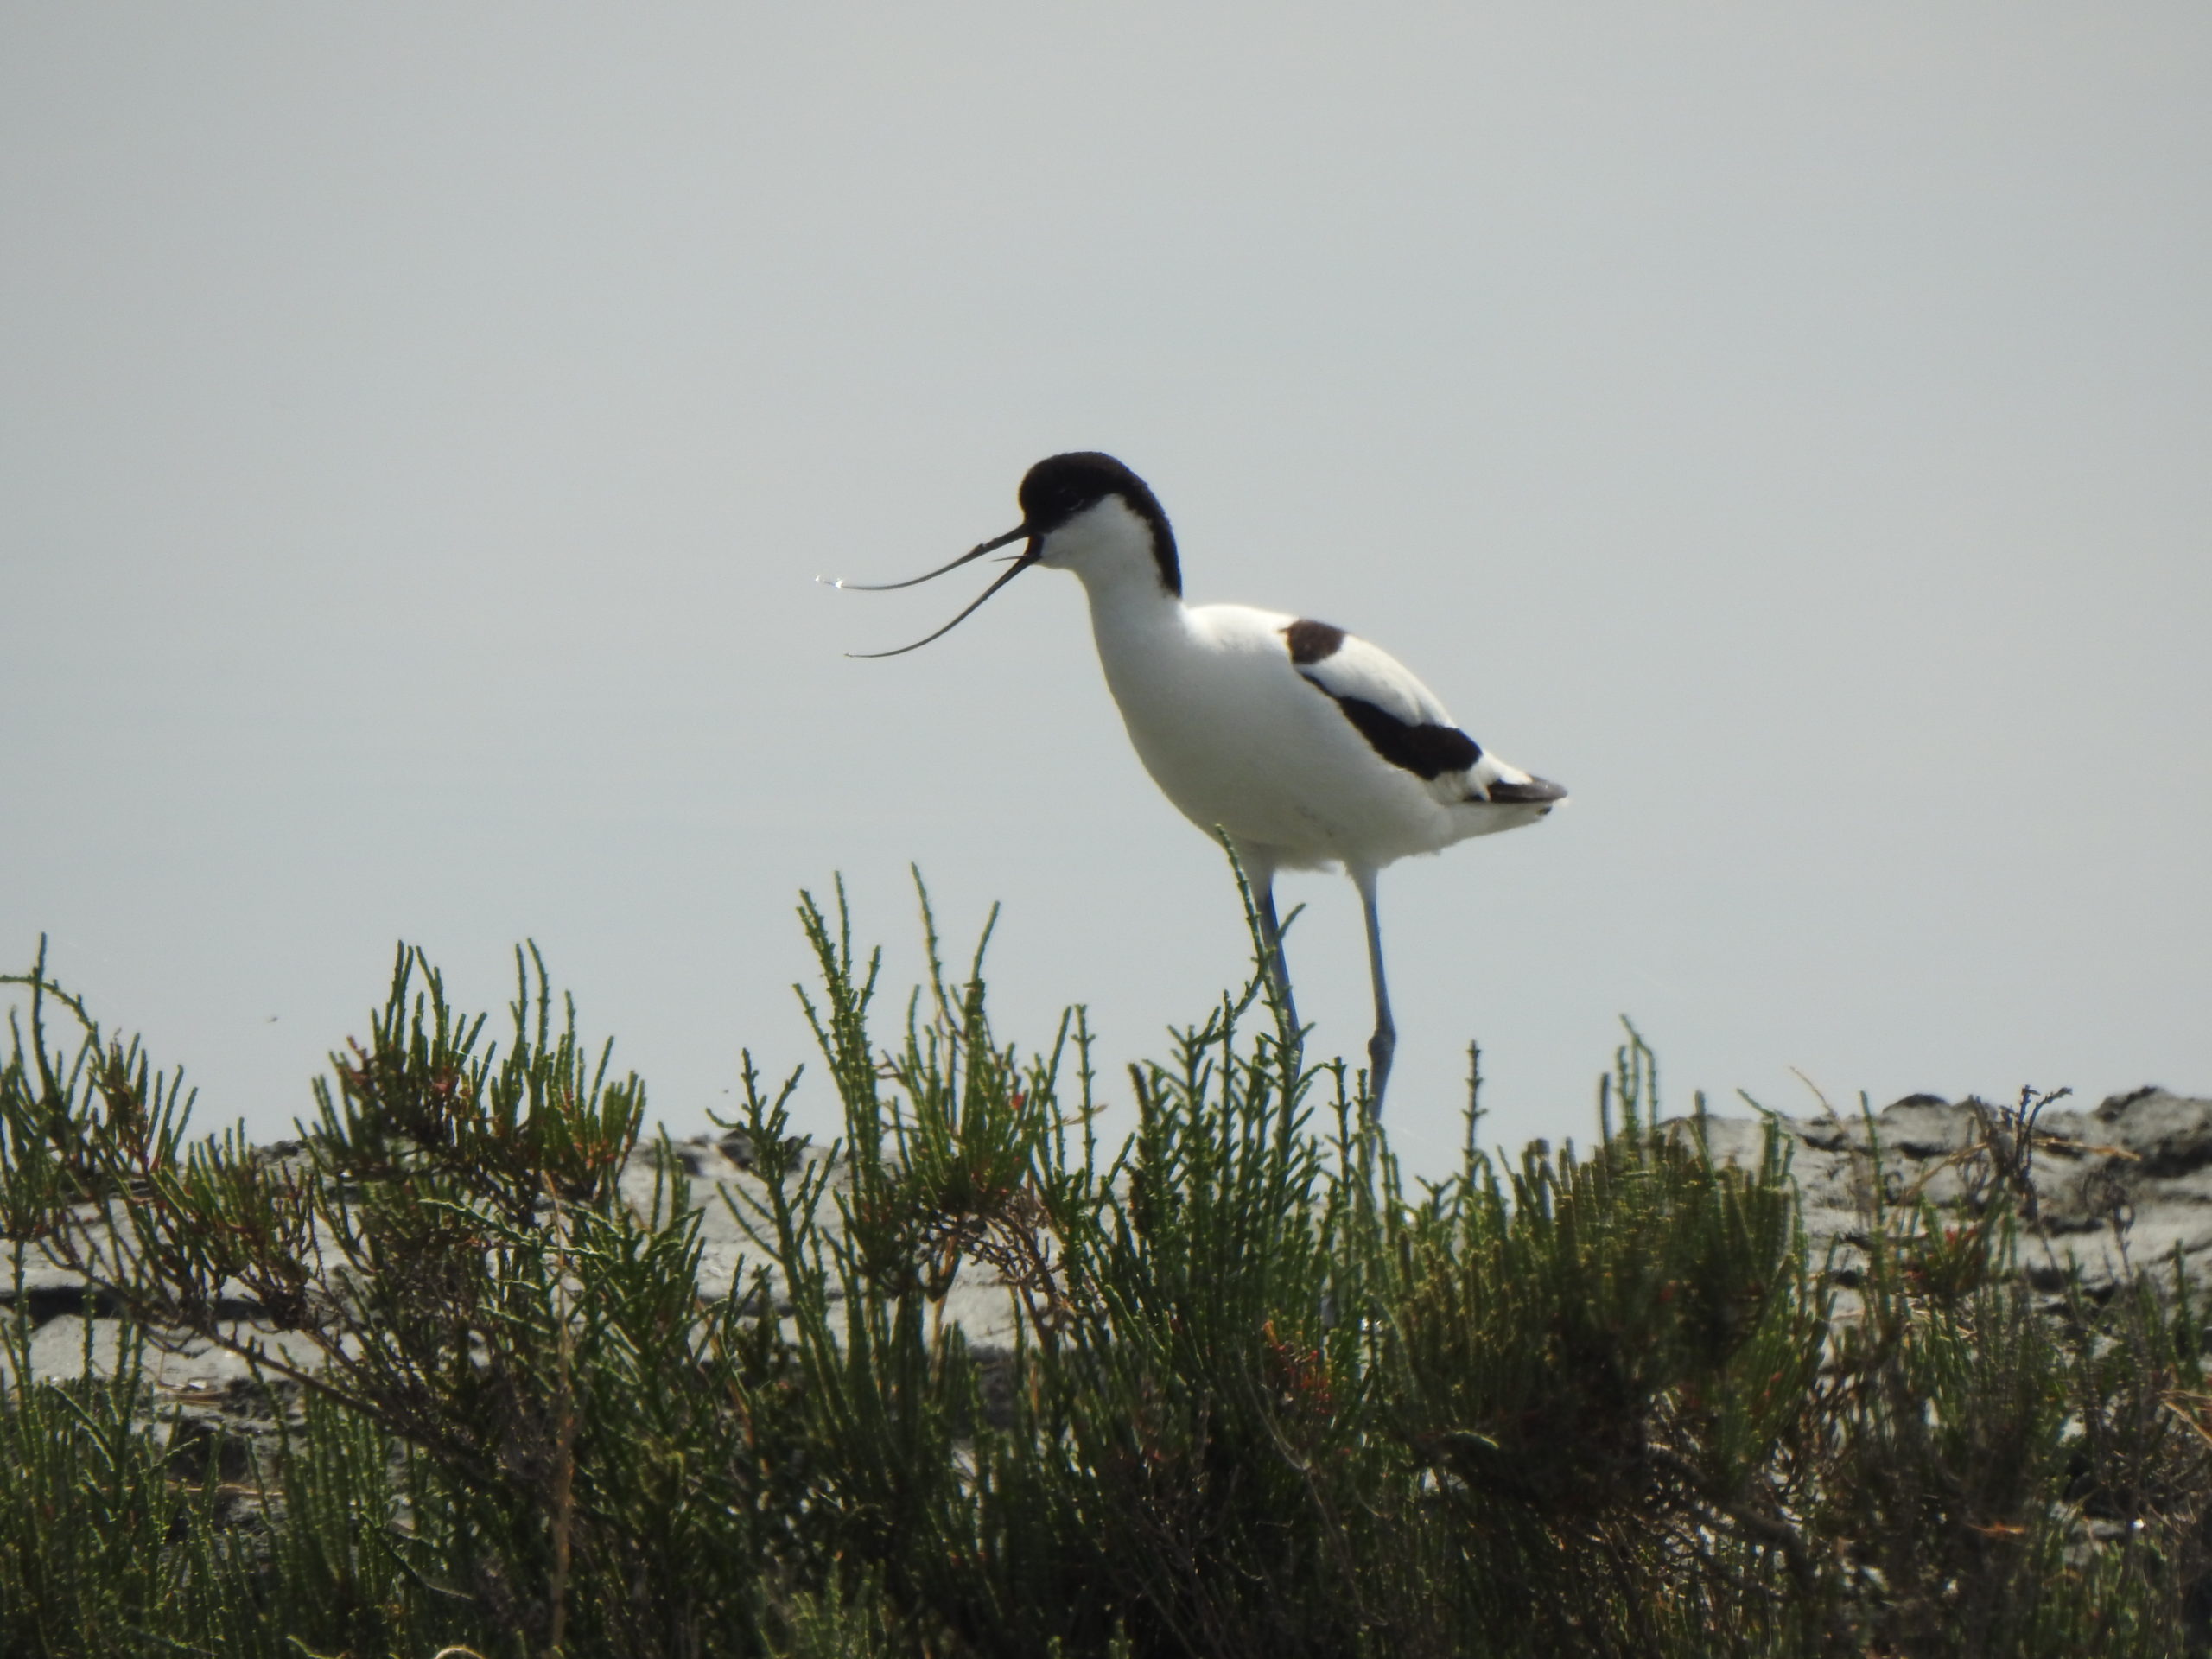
<point>1264,1397</point>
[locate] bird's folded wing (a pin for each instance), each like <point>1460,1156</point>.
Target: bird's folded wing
<point>1356,669</point>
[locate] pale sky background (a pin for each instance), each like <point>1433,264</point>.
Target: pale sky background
<point>1791,428</point>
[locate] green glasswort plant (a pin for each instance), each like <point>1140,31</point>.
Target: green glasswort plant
<point>1235,1386</point>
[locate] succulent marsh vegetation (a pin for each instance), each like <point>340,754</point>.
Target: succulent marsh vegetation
<point>1265,1395</point>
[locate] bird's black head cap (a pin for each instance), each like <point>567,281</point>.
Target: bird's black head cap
<point>1060,487</point>
<point>1055,490</point>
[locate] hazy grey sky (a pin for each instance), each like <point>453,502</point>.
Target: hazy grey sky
<point>420,427</point>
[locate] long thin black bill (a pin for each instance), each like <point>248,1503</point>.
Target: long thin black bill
<point>1012,571</point>
<point>991,546</point>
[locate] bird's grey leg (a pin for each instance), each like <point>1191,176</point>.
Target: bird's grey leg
<point>1384,1043</point>
<point>1264,899</point>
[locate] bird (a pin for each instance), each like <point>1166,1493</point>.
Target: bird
<point>1303,745</point>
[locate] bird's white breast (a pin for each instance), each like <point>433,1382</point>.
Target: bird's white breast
<point>1237,737</point>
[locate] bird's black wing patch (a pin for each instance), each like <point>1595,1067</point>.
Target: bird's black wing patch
<point>1426,750</point>
<point>1313,642</point>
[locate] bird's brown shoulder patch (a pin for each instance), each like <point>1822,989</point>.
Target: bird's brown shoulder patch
<point>1313,642</point>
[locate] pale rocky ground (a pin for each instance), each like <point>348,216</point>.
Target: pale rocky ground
<point>2119,1187</point>
<point>2116,1189</point>
<point>67,1316</point>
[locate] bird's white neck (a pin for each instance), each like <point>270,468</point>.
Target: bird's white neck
<point>1109,549</point>
<point>1132,612</point>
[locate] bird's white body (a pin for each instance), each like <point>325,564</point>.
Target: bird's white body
<point>1305,746</point>
<point>1238,735</point>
